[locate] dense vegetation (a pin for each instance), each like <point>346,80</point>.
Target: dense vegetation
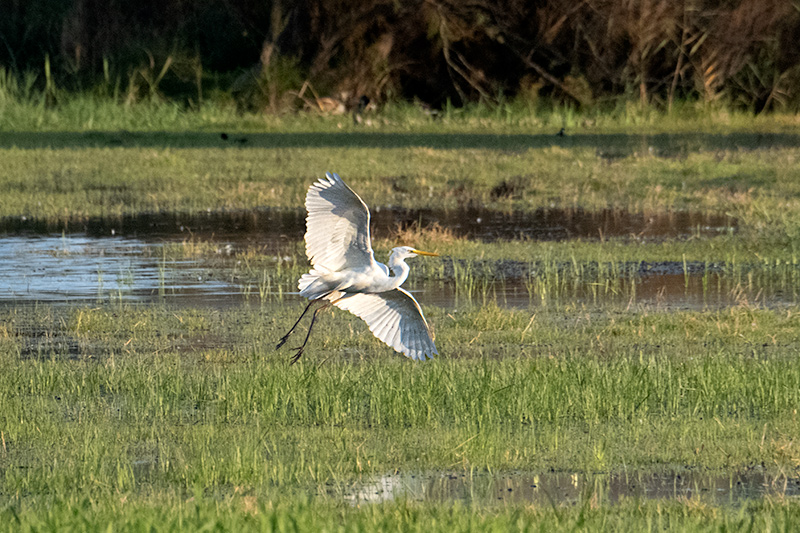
<point>265,54</point>
<point>158,418</point>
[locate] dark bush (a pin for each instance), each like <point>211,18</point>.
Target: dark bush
<point>742,52</point>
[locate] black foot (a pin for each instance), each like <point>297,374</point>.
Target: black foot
<point>297,355</point>
<point>282,341</point>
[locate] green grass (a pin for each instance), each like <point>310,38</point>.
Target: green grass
<point>156,418</point>
<point>138,408</point>
<point>25,109</point>
<point>758,188</point>
<point>524,391</point>
<point>259,512</point>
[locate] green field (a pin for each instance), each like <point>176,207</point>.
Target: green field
<point>125,414</point>
<point>157,417</point>
<point>71,176</point>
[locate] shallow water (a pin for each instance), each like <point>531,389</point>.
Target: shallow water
<point>80,269</point>
<point>546,489</point>
<point>661,291</point>
<point>120,258</point>
<point>273,227</point>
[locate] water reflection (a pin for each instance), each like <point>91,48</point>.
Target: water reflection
<point>276,227</point>
<point>665,291</point>
<point>547,489</point>
<point>83,269</point>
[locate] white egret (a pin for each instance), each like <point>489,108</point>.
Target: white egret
<point>344,272</point>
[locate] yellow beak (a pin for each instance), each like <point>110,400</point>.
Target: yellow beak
<point>420,252</point>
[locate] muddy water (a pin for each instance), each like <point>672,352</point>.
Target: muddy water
<point>664,291</point>
<point>120,259</point>
<point>275,226</point>
<point>82,269</point>
<point>548,489</point>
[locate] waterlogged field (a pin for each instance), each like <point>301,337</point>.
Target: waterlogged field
<point>65,177</point>
<point>617,320</point>
<point>125,408</point>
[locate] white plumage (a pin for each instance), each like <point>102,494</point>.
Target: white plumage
<point>395,318</point>
<point>344,271</point>
<point>337,226</point>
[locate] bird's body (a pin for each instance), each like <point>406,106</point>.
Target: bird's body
<point>344,272</point>
<point>364,278</point>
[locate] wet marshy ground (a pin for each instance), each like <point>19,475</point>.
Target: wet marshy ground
<point>584,366</point>
<point>123,259</point>
<point>129,260</point>
<point>80,269</point>
<point>274,226</point>
<point>558,488</point>
<point>86,270</point>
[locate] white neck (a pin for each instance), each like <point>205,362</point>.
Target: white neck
<point>399,269</point>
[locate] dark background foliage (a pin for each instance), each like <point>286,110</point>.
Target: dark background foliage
<point>583,52</point>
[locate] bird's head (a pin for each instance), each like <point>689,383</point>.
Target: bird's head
<point>403,252</point>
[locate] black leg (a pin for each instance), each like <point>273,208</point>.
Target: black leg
<point>286,337</point>
<point>313,319</point>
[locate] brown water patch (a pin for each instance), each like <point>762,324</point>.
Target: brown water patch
<point>546,489</point>
<point>85,270</point>
<point>660,291</point>
<point>81,270</point>
<point>276,226</point>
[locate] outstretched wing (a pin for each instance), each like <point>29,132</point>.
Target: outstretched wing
<point>395,318</point>
<point>337,226</point>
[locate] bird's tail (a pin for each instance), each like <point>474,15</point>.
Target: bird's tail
<point>312,286</point>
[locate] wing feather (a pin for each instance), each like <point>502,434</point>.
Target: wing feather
<point>416,337</point>
<point>380,327</point>
<point>395,318</point>
<point>393,338</point>
<point>337,226</point>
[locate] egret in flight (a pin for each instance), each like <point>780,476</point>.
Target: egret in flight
<point>344,272</point>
